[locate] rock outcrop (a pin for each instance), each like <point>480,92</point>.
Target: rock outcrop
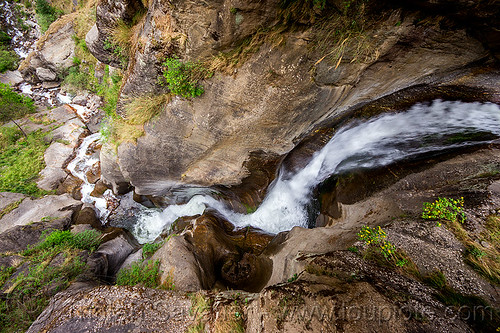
<point>115,309</point>
<point>53,54</point>
<point>212,139</point>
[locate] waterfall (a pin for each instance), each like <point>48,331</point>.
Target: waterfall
<point>379,141</point>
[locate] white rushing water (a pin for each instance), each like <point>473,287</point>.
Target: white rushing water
<point>79,167</point>
<point>379,141</point>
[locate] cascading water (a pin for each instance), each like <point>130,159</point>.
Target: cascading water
<point>376,142</point>
<point>78,168</point>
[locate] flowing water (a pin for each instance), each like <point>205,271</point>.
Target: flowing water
<point>379,141</point>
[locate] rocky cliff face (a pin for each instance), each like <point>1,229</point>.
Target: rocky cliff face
<point>287,87</point>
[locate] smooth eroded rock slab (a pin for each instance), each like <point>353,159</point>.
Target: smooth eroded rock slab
<point>49,207</point>
<point>115,309</point>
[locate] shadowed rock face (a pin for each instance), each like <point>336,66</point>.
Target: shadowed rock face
<point>263,110</point>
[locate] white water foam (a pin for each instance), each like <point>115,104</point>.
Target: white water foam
<point>376,142</point>
<point>79,167</point>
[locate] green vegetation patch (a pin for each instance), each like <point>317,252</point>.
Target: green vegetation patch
<point>13,105</point>
<point>49,267</point>
<point>183,78</point>
<point>145,273</point>
<point>87,240</point>
<point>46,14</point>
<point>149,249</point>
<point>21,160</point>
<point>444,209</point>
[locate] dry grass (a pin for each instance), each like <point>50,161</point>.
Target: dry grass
<point>227,62</point>
<point>140,110</point>
<point>485,260</point>
<point>200,305</point>
<point>121,131</point>
<point>229,319</point>
<point>65,5</point>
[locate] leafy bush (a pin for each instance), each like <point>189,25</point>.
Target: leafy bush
<point>144,273</point>
<point>183,78</point>
<point>46,14</point>
<point>445,209</point>
<point>8,60</point>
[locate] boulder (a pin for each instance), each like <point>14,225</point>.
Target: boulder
<point>87,215</point>
<point>115,251</point>
<point>12,78</point>
<point>19,237</point>
<point>179,265</point>
<point>211,252</point>
<point>45,74</point>
<point>53,54</point>
<point>33,210</point>
<point>56,157</point>
<point>115,309</point>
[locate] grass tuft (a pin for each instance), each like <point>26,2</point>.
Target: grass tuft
<point>142,272</point>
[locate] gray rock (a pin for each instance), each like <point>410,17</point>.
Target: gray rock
<point>34,210</point>
<point>12,78</point>
<point>53,54</point>
<point>19,237</point>
<point>178,264</point>
<point>45,74</point>
<point>80,100</point>
<point>8,198</point>
<point>55,158</point>
<point>71,131</point>
<point>115,309</point>
<point>50,84</point>
<point>134,257</point>
<point>116,251</point>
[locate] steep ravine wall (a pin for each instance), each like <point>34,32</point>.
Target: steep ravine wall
<point>279,95</point>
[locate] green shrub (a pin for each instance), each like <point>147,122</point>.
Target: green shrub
<point>87,240</point>
<point>46,14</point>
<point>444,209</point>
<point>8,60</point>
<point>149,249</point>
<point>183,78</point>
<point>144,273</point>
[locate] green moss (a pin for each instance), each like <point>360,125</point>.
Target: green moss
<point>13,105</point>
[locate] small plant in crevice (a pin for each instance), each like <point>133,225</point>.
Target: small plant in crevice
<point>183,78</point>
<point>444,209</point>
<point>375,238</point>
<point>149,249</point>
